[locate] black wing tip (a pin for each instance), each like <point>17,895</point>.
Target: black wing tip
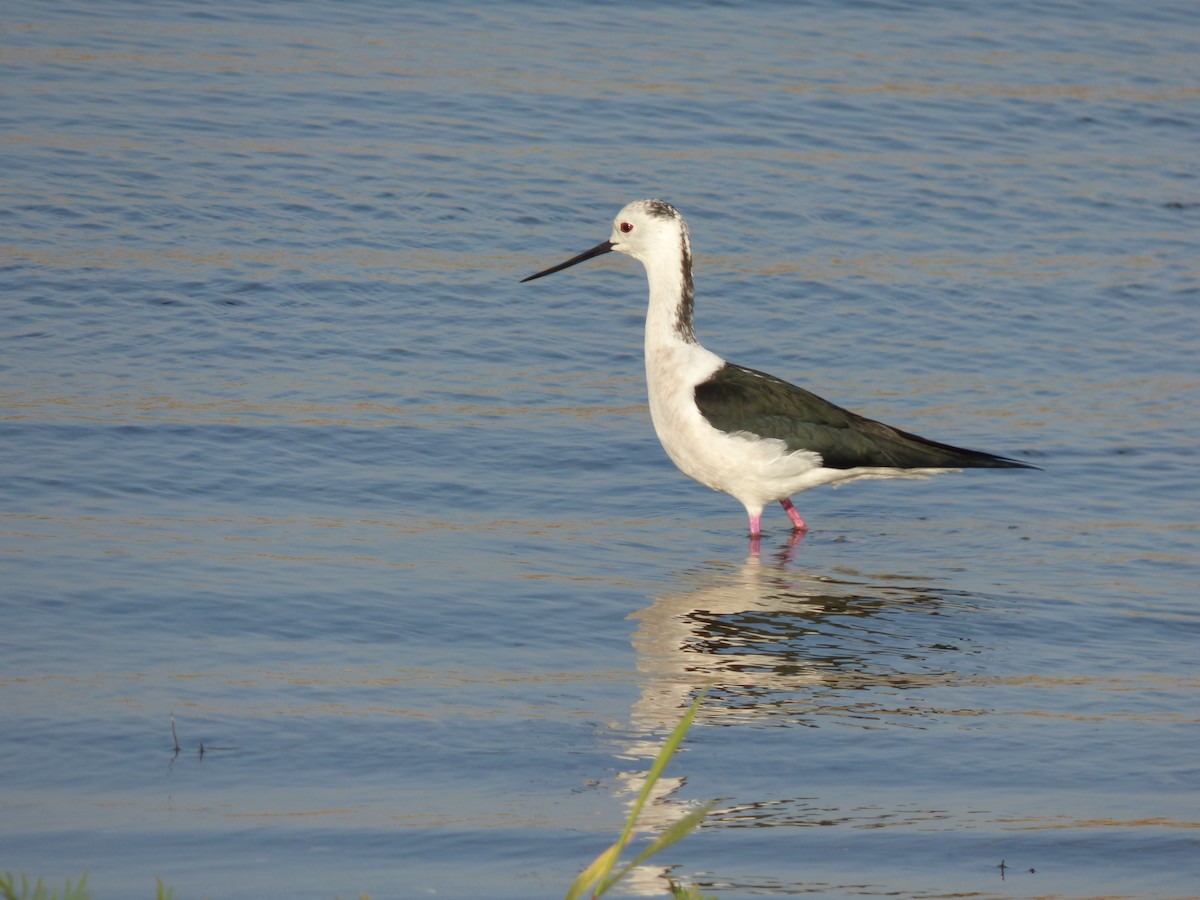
<point>980,460</point>
<point>1017,464</point>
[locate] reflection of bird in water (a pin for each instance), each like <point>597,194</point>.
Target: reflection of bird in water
<point>775,646</point>
<point>765,636</point>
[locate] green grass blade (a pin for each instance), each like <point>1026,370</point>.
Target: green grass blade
<point>660,764</point>
<point>677,831</point>
<point>599,872</point>
<point>594,873</point>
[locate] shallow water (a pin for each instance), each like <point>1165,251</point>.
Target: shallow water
<point>291,461</point>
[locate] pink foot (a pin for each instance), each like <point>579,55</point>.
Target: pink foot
<point>797,522</point>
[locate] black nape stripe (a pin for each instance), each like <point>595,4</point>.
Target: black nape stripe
<point>684,326</point>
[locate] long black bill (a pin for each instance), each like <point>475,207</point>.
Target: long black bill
<point>587,254</point>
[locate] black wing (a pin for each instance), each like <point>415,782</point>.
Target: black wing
<point>740,399</point>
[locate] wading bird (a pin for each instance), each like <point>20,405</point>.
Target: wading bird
<point>750,434</point>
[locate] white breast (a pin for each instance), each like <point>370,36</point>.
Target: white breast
<point>754,470</point>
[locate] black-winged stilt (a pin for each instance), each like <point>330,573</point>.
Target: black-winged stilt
<point>749,434</point>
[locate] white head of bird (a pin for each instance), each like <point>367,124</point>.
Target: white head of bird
<point>654,233</point>
<point>650,231</point>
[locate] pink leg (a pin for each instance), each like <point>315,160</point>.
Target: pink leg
<point>755,533</point>
<point>797,522</point>
<point>756,526</point>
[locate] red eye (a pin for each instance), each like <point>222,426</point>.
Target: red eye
<point>626,228</point>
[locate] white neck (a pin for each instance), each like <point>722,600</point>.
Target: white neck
<point>669,316</point>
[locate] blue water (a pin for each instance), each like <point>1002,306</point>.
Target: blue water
<point>289,459</point>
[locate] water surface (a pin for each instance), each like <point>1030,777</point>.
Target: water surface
<point>290,458</point>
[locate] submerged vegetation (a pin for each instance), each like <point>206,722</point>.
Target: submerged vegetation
<point>593,882</point>
<point>17,887</point>
<point>13,887</point>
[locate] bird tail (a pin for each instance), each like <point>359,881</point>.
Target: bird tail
<point>925,452</point>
